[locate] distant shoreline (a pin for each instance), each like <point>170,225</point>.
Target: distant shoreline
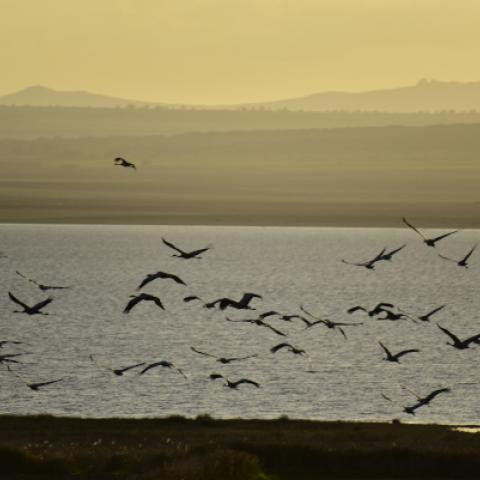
<point>172,448</point>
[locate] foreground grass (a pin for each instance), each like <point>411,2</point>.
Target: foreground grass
<point>206,449</point>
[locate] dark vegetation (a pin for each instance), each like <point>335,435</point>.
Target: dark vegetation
<point>32,122</point>
<point>206,449</point>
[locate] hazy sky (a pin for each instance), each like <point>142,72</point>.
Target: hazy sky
<point>231,51</point>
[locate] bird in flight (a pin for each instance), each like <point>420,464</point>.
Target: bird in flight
<point>34,385</point>
<point>259,322</point>
<point>224,360</point>
<point>35,310</point>
<point>460,344</point>
<point>135,299</point>
<point>395,357</point>
<point>163,364</point>
<point>462,262</point>
<point>374,311</point>
<point>230,384</point>
<point>121,162</point>
<point>117,371</point>
<point>242,304</point>
<point>41,286</point>
<point>289,347</point>
<point>369,264</point>
<point>153,276</point>
<point>428,241</point>
<point>182,253</point>
<point>423,400</point>
<point>388,255</point>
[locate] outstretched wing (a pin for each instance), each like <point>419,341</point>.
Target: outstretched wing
<point>450,334</point>
<point>436,239</point>
<point>447,258</point>
<point>246,380</point>
<point>405,352</point>
<point>356,309</point>
<point>385,349</point>
<point>194,253</point>
<point>278,332</point>
<point>412,227</point>
<point>433,394</point>
<point>429,314</point>
<point>202,353</point>
<point>171,245</point>
<point>278,347</point>
<point>469,254</point>
<point>42,304</point>
<point>17,301</point>
<point>131,304</point>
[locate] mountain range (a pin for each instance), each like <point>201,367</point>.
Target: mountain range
<point>424,96</point>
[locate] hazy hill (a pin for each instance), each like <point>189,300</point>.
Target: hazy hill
<point>39,95</point>
<point>428,96</point>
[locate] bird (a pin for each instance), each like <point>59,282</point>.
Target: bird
<point>182,253</point>
<point>142,297</point>
<point>11,342</point>
<point>463,262</point>
<point>35,310</point>
<point>37,385</point>
<point>328,323</point>
<point>259,322</point>
<point>164,364</point>
<point>242,304</point>
<point>153,276</point>
<point>457,343</point>
<point>428,241</point>
<point>121,162</point>
<point>395,357</point>
<point>289,347</point>
<point>230,384</point>
<point>8,358</point>
<point>117,371</point>
<point>388,255</point>
<point>369,264</point>
<point>426,317</point>
<point>41,286</point>
<point>374,311</point>
<point>393,316</point>
<point>224,360</point>
<point>424,400</point>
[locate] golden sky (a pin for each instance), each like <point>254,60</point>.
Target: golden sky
<point>233,51</point>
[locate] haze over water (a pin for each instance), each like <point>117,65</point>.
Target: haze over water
<point>289,267</point>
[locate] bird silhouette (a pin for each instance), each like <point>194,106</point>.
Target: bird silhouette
<point>328,323</point>
<point>163,364</point>
<point>153,276</point>
<point>462,262</point>
<point>224,360</point>
<point>426,317</point>
<point>428,241</point>
<point>289,347</point>
<point>135,299</point>
<point>230,384</point>
<point>34,385</point>
<point>395,357</point>
<point>259,322</point>
<point>121,162</point>
<point>460,344</point>
<point>424,400</point>
<point>369,264</point>
<point>182,253</point>
<point>374,311</point>
<point>242,304</point>
<point>117,371</point>
<point>41,286</point>
<point>388,255</point>
<point>34,310</point>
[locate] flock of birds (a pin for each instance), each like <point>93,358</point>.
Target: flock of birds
<point>382,311</point>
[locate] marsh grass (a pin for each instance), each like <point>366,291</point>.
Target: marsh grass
<point>206,449</point>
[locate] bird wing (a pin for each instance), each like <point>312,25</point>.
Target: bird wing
<point>433,394</point>
<point>194,253</point>
<point>450,334</point>
<point>393,252</point>
<point>355,263</point>
<point>16,300</point>
<point>473,339</point>
<point>435,310</point>
<point>246,380</point>
<point>308,313</point>
<point>412,227</point>
<point>148,367</point>
<point>280,346</point>
<point>268,314</point>
<point>378,257</point>
<point>385,349</point>
<point>132,303</point>
<point>233,359</point>
<point>469,254</point>
<point>202,353</point>
<point>173,277</point>
<point>43,384</point>
<point>26,278</point>
<point>404,352</point>
<point>447,258</point>
<point>278,332</point>
<point>42,304</point>
<point>346,324</point>
<point>386,398</point>
<point>171,245</point>
<point>146,280</point>
<point>355,309</point>
<point>126,369</point>
<point>342,331</point>
<point>436,239</point>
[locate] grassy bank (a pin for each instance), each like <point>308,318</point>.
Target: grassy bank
<point>204,449</point>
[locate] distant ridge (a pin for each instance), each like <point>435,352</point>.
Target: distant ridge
<point>41,96</point>
<point>425,96</point>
